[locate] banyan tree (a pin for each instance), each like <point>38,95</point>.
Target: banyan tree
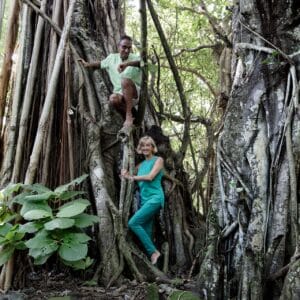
<point>56,125</point>
<point>253,226</point>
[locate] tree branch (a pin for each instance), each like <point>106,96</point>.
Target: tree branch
<point>156,92</point>
<point>268,42</point>
<point>144,66</point>
<point>42,14</point>
<point>199,75</point>
<point>255,47</point>
<point>192,10</point>
<point>174,69</point>
<point>283,270</point>
<point>212,46</point>
<point>194,119</point>
<point>218,30</point>
<point>37,2</point>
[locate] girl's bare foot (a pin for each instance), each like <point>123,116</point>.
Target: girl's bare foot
<point>154,257</point>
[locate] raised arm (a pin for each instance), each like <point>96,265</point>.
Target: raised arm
<point>93,64</point>
<point>123,66</point>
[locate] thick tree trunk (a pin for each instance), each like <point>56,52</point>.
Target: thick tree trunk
<point>74,131</point>
<point>253,224</point>
<point>178,235</point>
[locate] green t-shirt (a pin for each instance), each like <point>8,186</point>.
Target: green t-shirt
<point>111,63</point>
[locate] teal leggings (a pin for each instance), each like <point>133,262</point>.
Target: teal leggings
<point>141,224</point>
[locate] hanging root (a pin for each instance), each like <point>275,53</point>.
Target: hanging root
<point>2,277</point>
<point>118,272</point>
<point>6,275</point>
<point>283,271</point>
<point>166,251</point>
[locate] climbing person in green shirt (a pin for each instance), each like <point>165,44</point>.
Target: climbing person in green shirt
<point>148,178</point>
<point>125,75</point>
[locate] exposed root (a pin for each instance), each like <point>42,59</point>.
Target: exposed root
<point>2,277</point>
<point>282,272</point>
<point>9,274</point>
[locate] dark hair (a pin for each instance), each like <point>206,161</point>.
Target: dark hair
<point>125,37</point>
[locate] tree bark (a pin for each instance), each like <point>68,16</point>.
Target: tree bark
<point>34,158</point>
<point>69,113</point>
<point>177,79</point>
<point>257,161</point>
<point>27,100</point>
<point>13,106</point>
<point>10,44</point>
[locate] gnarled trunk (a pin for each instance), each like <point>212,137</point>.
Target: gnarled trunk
<point>253,224</point>
<point>68,129</point>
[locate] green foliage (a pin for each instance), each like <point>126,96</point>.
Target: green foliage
<point>186,27</point>
<point>73,208</point>
<point>183,295</point>
<point>10,240</point>
<point>46,230</point>
<point>152,292</point>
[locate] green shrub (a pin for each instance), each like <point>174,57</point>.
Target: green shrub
<point>46,230</point>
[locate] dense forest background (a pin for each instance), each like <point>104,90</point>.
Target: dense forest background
<point>221,101</point>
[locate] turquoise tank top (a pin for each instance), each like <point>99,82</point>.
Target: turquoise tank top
<point>150,190</point>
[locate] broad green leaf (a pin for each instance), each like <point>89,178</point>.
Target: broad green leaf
<point>6,253</point>
<point>85,220</point>
<point>73,208</point>
<point>76,238</point>
<point>36,214</point>
<point>61,223</point>
<point>14,234</point>
<point>7,217</point>
<point>37,187</point>
<point>72,251</point>
<point>11,188</point>
<point>20,199</point>
<point>41,239</point>
<point>74,246</point>
<point>79,264</point>
<point>20,245</point>
<point>70,194</point>
<point>5,228</point>
<point>46,249</point>
<point>28,206</point>
<point>65,187</point>
<point>41,259</point>
<point>30,227</point>
<point>40,197</point>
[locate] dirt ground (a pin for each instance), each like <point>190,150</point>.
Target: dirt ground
<point>65,287</point>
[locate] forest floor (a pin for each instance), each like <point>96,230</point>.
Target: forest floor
<point>65,287</point>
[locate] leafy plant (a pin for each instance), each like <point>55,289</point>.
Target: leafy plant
<point>46,230</point>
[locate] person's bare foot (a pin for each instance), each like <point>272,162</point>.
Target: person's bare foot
<point>154,257</point>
